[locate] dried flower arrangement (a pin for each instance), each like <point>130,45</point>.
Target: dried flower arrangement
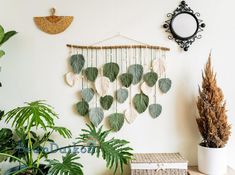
<point>212,121</point>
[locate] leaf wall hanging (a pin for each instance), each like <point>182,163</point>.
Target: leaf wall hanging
<point>116,121</point>
<point>87,94</point>
<point>77,62</point>
<point>96,116</point>
<point>106,102</point>
<point>158,66</point>
<point>141,102</point>
<point>155,110</point>
<point>111,70</point>
<point>121,95</point>
<point>102,85</point>
<point>151,78</point>
<point>164,85</point>
<point>126,79</point>
<point>91,73</point>
<point>130,115</point>
<point>146,89</point>
<point>137,71</point>
<point>71,78</point>
<point>82,108</point>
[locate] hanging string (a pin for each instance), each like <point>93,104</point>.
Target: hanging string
<point>96,63</point>
<point>82,75</point>
<point>121,59</point>
<point>116,79</point>
<point>87,58</point>
<point>155,86</point>
<point>164,58</point>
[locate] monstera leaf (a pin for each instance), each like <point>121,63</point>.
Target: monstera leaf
<point>82,108</point>
<point>164,85</point>
<point>116,121</point>
<point>150,78</point>
<point>102,85</point>
<point>137,71</point>
<point>87,94</point>
<point>106,102</point>
<point>91,73</point>
<point>126,79</point>
<point>141,102</point>
<point>77,62</point>
<point>111,71</point>
<point>121,95</point>
<point>155,110</point>
<point>96,116</point>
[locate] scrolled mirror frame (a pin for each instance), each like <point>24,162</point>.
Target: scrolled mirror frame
<point>186,42</point>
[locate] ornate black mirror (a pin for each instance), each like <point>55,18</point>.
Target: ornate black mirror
<point>184,25</point>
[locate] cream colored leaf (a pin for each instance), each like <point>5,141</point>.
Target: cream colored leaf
<point>71,78</point>
<point>159,66</point>
<point>146,89</point>
<point>130,115</point>
<point>102,85</point>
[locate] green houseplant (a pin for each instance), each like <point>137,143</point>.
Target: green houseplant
<point>213,125</point>
<point>37,116</point>
<point>4,37</point>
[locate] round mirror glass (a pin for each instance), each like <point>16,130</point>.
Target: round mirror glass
<point>184,25</point>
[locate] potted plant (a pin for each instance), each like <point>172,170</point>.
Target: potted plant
<point>27,147</point>
<point>213,125</point>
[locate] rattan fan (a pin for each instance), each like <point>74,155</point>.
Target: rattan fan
<point>53,24</point>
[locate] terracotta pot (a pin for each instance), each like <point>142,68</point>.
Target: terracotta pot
<point>212,161</point>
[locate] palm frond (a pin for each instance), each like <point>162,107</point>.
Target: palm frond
<point>64,132</point>
<point>36,113</point>
<point>68,166</point>
<point>115,152</point>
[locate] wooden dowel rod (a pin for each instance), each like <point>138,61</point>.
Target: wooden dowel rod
<point>119,47</point>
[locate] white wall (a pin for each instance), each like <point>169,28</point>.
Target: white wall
<point>36,62</point>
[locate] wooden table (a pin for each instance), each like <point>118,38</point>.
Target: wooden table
<point>194,171</point>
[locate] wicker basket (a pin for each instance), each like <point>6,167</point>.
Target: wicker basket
<point>159,164</point>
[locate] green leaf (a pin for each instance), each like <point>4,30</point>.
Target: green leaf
<point>38,114</point>
<point>64,132</point>
<point>96,116</point>
<point>141,102</point>
<point>151,78</point>
<point>137,71</point>
<point>68,166</point>
<point>1,114</point>
<point>77,62</point>
<point>91,73</point>
<point>87,94</point>
<point>111,70</point>
<point>164,85</point>
<point>121,95</point>
<point>2,53</point>
<point>155,110</point>
<point>114,151</point>
<point>126,79</point>
<point>1,33</point>
<point>82,108</point>
<point>116,121</point>
<point>7,36</point>
<point>106,102</point>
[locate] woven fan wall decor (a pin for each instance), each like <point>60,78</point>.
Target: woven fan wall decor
<point>53,24</point>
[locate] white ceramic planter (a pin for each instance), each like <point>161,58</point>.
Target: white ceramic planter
<point>212,161</point>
